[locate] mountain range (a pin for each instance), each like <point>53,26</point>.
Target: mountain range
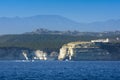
<point>16,25</point>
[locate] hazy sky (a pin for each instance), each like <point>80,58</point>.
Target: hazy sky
<point>78,10</point>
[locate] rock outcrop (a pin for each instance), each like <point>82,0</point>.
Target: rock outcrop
<point>83,51</point>
<point>40,55</point>
<point>15,53</point>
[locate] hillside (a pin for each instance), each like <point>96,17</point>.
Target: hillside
<point>47,42</point>
<point>42,41</point>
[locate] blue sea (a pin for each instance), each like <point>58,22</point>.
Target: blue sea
<point>60,70</point>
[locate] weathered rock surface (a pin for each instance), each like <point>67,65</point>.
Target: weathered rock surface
<point>14,53</point>
<point>86,51</point>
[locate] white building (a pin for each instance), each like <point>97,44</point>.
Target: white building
<point>101,40</point>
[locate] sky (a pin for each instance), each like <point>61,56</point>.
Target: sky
<point>77,10</point>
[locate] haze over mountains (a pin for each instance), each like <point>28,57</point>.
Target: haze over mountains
<point>13,25</point>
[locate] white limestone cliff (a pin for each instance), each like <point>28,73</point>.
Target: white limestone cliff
<point>68,50</point>
<point>83,51</point>
<point>36,55</point>
<point>25,54</point>
<point>40,55</point>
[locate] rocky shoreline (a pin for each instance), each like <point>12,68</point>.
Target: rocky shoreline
<point>75,51</point>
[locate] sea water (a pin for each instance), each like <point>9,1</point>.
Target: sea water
<point>60,70</point>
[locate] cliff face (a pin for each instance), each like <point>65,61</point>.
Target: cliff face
<point>67,50</point>
<point>40,55</point>
<point>71,51</point>
<point>14,53</point>
<point>83,51</point>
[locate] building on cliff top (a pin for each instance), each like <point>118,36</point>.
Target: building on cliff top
<point>83,51</point>
<point>101,40</point>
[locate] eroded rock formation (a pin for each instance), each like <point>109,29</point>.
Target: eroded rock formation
<point>14,53</point>
<point>40,55</point>
<point>83,51</point>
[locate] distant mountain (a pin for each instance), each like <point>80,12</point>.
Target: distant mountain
<point>109,25</point>
<point>26,24</point>
<point>52,22</point>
